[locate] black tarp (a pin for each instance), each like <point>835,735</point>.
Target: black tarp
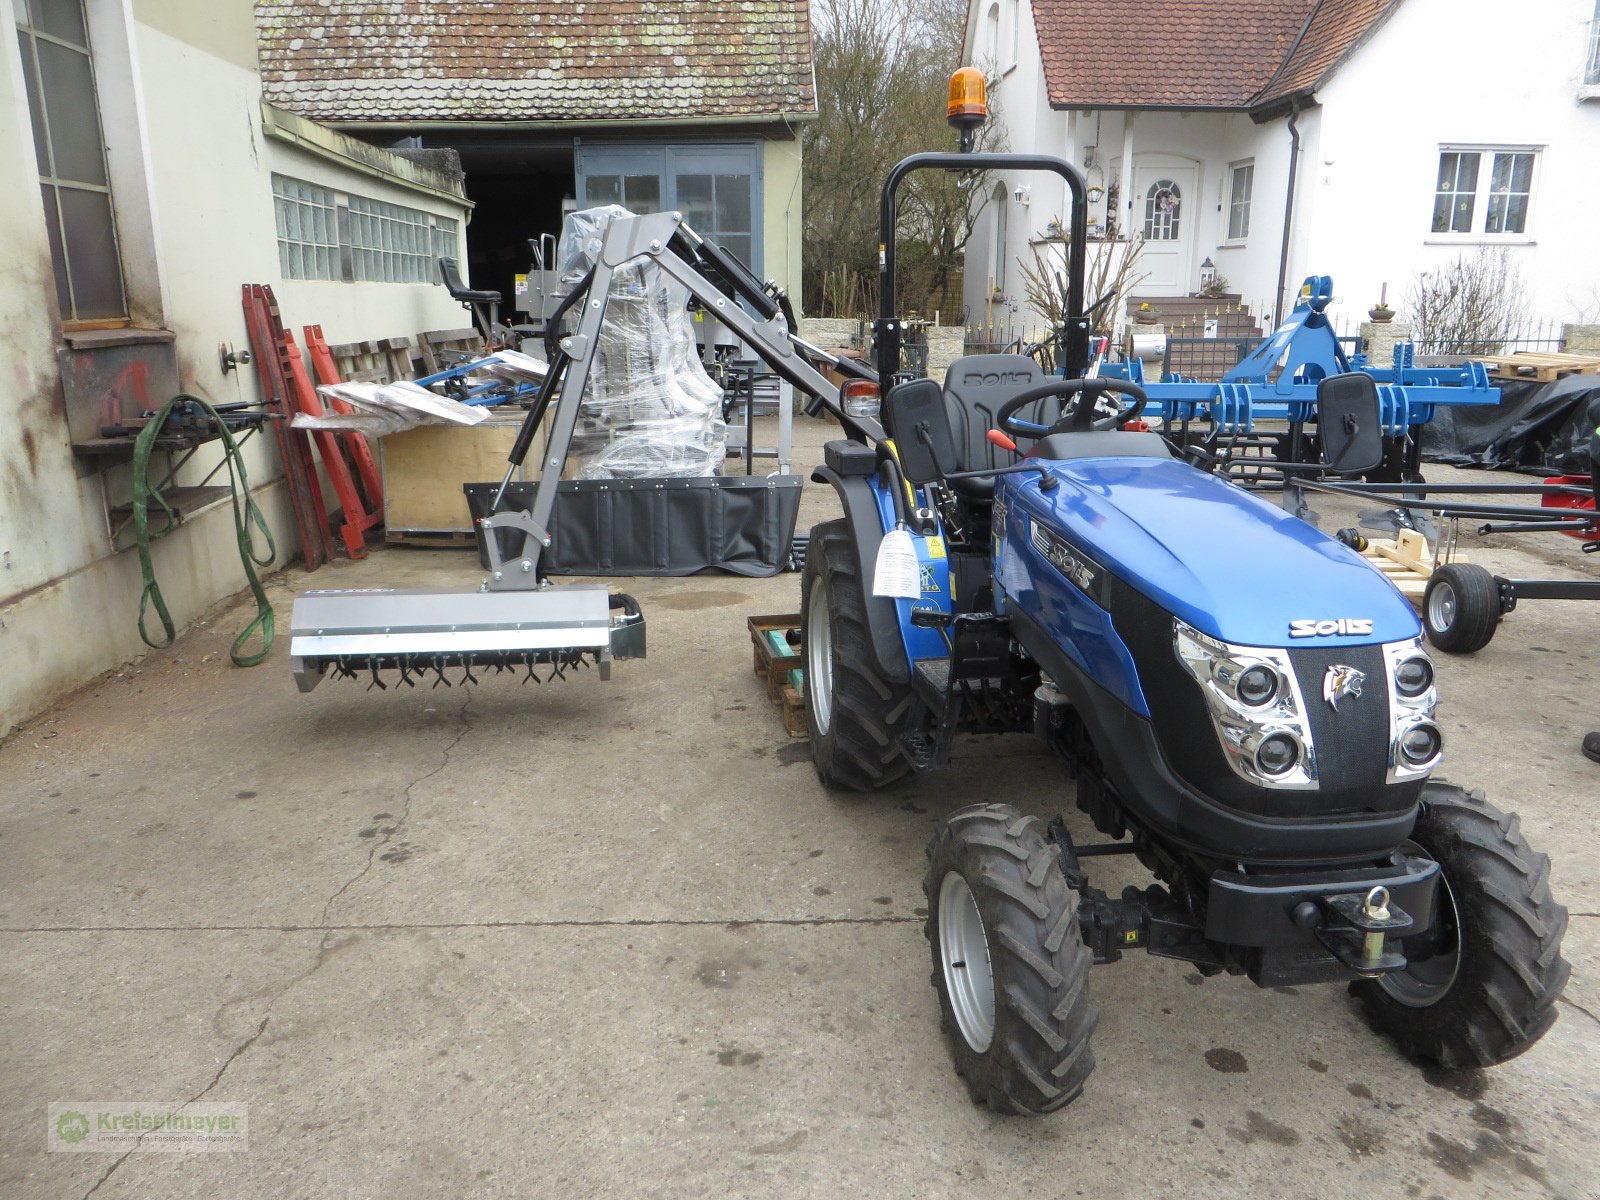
<point>658,527</point>
<point>1537,428</point>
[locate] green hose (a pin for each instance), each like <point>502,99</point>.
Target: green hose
<point>245,513</point>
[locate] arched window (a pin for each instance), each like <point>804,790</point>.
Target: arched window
<point>998,267</point>
<point>991,38</point>
<point>1161,210</point>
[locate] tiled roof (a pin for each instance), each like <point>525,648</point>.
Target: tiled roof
<point>1336,28</point>
<point>1215,54</point>
<point>535,60</point>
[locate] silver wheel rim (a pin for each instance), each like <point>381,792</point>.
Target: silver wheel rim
<point>819,659</point>
<point>964,957</point>
<point>1424,983</point>
<point>1442,606</point>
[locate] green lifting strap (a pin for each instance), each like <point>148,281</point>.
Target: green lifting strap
<point>245,513</point>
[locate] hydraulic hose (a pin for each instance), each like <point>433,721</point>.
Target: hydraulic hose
<point>245,514</point>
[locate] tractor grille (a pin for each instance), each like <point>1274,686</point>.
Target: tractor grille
<point>1352,744</point>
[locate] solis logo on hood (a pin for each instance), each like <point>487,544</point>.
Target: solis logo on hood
<point>1342,627</point>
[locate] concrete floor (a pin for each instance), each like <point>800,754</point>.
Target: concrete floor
<point>614,939</point>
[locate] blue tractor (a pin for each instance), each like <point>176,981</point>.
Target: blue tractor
<point>1244,703</point>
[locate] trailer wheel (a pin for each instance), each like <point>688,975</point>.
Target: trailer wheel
<point>1461,608</point>
<point>1481,986</point>
<point>1009,965</point>
<point>853,714</point>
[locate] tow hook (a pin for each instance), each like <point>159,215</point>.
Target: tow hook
<point>1355,928</point>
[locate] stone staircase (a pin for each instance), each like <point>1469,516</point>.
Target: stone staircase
<point>1185,317</point>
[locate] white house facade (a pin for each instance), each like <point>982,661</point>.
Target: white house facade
<point>1370,140</point>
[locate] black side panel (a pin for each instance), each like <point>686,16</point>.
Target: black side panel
<point>1352,744</point>
<point>658,527</point>
<point>883,621</point>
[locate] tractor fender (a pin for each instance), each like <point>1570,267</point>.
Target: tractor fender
<point>866,528</point>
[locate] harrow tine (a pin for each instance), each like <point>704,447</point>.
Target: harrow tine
<point>438,664</point>
<point>530,675</point>
<point>374,666</point>
<point>405,673</point>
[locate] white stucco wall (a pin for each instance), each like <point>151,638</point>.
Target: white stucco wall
<point>182,106</point>
<point>1487,77</point>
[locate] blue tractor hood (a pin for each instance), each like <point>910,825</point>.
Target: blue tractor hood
<point>1218,558</point>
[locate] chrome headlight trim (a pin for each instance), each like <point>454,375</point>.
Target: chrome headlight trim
<point>1241,727</point>
<point>1406,713</point>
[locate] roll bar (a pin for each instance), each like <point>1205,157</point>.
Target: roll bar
<point>887,329</point>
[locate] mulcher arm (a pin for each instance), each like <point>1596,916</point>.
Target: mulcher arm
<point>516,620</point>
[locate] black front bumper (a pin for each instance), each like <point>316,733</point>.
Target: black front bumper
<point>1286,927</point>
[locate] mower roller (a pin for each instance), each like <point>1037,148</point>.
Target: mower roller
<point>1244,702</point>
<point>516,620</point>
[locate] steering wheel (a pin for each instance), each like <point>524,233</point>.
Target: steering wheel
<point>1078,397</point>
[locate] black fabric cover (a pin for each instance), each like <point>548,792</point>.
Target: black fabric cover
<point>1537,428</point>
<point>658,527</point>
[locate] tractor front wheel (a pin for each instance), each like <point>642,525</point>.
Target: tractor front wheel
<point>1480,986</point>
<point>853,714</point>
<point>1009,964</point>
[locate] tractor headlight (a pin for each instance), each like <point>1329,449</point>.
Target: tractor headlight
<point>1255,706</point>
<point>1415,743</point>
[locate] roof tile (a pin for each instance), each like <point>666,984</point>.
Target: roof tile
<point>437,60</point>
<point>1214,54</point>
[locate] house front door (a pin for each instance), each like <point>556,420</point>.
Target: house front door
<point>1166,205</point>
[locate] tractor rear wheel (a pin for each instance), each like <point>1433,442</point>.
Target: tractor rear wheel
<point>853,714</point>
<point>1461,608</point>
<point>1480,987</point>
<point>1009,963</point>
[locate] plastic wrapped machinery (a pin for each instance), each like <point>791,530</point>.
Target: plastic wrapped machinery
<point>650,409</point>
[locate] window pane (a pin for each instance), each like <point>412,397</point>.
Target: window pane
<point>91,254</point>
<point>733,202</point>
<point>642,193</point>
<point>1162,203</point>
<point>58,256</point>
<point>1441,214</point>
<point>694,201</point>
<point>737,244</point>
<point>1522,172</point>
<point>76,146</point>
<point>1462,222</point>
<point>60,18</point>
<point>602,189</point>
<point>41,148</point>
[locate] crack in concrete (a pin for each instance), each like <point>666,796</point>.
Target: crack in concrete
<point>194,1099</point>
<point>381,927</point>
<point>1580,1008</point>
<point>405,811</point>
<point>325,946</point>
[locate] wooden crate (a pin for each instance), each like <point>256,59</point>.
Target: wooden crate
<point>781,669</point>
<point>424,468</point>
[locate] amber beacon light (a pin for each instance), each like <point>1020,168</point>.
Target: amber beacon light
<point>969,103</point>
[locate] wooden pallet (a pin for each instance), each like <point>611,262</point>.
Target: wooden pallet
<point>1542,368</point>
<point>437,539</point>
<point>781,670</point>
<point>1406,560</point>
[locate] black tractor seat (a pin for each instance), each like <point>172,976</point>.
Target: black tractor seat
<point>450,272</point>
<point>975,387</point>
